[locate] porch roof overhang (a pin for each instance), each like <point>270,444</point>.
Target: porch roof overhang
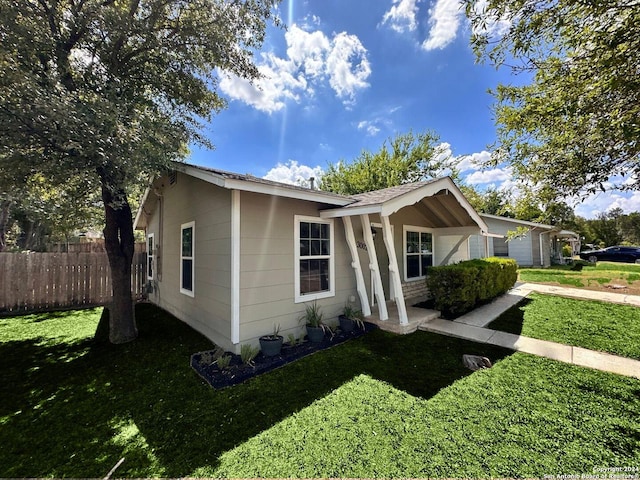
<point>440,203</point>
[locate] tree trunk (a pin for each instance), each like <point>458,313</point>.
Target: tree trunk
<point>119,243</point>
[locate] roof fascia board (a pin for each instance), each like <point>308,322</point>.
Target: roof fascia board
<point>210,177</point>
<point>430,189</point>
<point>515,220</point>
<point>310,195</point>
<point>141,208</point>
<point>350,212</point>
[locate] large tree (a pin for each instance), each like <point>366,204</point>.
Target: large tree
<point>576,127</point>
<point>405,158</point>
<point>109,91</point>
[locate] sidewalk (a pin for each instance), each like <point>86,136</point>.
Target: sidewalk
<point>471,327</point>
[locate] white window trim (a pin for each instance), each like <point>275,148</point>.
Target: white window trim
<point>299,298</point>
<point>151,256</point>
<point>412,228</point>
<point>190,293</point>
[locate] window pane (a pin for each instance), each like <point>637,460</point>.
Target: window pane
<point>413,266</point>
<point>304,230</point>
<point>427,261</point>
<point>315,247</point>
<point>315,230</point>
<point>412,242</point>
<point>305,248</point>
<point>150,267</point>
<point>187,274</point>
<point>324,230</point>
<point>324,247</point>
<point>187,238</point>
<point>426,242</point>
<point>150,247</point>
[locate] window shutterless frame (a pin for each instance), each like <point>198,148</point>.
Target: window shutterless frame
<point>150,256</point>
<point>187,258</point>
<point>418,250</point>
<point>314,258</point>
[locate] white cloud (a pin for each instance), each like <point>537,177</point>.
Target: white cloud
<point>345,77</point>
<point>475,161</point>
<point>311,59</point>
<point>444,21</point>
<point>293,173</point>
<point>606,201</point>
<point>368,127</point>
<point>492,26</point>
<point>402,16</point>
<point>496,175</point>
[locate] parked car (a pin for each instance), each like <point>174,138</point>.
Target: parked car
<point>613,254</point>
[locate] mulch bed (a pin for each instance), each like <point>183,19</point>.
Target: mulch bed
<point>237,372</point>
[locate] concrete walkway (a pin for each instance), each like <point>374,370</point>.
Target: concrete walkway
<point>472,327</point>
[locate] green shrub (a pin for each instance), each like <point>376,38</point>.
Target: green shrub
<point>458,288</point>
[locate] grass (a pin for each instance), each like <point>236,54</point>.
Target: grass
<point>381,405</point>
<point>601,326</point>
<point>591,275</point>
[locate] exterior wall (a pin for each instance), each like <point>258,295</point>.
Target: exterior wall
<point>521,250</point>
<point>535,249</point>
<point>209,310</point>
<point>477,246</point>
<point>450,249</point>
<point>267,263</point>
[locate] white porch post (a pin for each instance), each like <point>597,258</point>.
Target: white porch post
<point>373,266</point>
<point>355,263</point>
<point>394,271</point>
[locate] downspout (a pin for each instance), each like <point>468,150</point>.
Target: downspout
<point>235,266</point>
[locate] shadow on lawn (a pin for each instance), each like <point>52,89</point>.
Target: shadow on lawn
<point>85,405</point>
<point>512,320</point>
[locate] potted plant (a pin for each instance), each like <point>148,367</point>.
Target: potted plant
<point>312,317</point>
<point>350,318</point>
<point>271,344</point>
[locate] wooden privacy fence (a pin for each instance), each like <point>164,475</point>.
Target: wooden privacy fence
<point>49,281</point>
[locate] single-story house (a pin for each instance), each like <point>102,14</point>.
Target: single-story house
<point>540,246</point>
<point>235,256</point>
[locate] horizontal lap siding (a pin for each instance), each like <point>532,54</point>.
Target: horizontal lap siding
<point>267,267</point>
<point>209,206</point>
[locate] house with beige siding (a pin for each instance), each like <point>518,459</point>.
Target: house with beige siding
<point>538,245</point>
<point>234,255</point>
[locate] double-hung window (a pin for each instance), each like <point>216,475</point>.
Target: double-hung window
<point>187,256</point>
<point>418,252</point>
<point>314,258</point>
<point>150,256</point>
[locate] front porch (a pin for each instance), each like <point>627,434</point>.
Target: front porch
<point>416,316</point>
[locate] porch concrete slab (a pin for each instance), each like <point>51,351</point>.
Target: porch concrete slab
<point>453,329</point>
<point>417,316</point>
<point>606,362</point>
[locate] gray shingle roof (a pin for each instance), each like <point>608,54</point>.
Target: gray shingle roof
<point>378,197</point>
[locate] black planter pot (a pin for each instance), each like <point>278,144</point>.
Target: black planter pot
<point>271,346</point>
<point>315,334</point>
<point>346,324</point>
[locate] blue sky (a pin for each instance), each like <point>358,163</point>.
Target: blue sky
<point>346,75</point>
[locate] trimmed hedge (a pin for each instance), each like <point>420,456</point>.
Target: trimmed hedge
<point>459,288</point>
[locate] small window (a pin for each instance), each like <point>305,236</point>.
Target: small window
<point>500,247</point>
<point>150,256</point>
<point>418,250</point>
<point>314,267</point>
<point>187,255</point>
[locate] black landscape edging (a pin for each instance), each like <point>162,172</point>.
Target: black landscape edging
<point>237,372</point>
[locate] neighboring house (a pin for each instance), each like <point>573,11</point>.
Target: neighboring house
<point>234,255</point>
<point>540,246</point>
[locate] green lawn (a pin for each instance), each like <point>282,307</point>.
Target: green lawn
<point>601,326</point>
<point>382,405</point>
<point>591,275</point>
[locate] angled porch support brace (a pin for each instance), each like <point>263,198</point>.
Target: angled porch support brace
<point>355,263</point>
<point>373,266</point>
<point>394,271</point>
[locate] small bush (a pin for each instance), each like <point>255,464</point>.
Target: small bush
<point>247,353</point>
<point>458,288</point>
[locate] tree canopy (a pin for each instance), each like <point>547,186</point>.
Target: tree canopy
<point>405,158</point>
<point>575,128</point>
<point>107,92</point>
